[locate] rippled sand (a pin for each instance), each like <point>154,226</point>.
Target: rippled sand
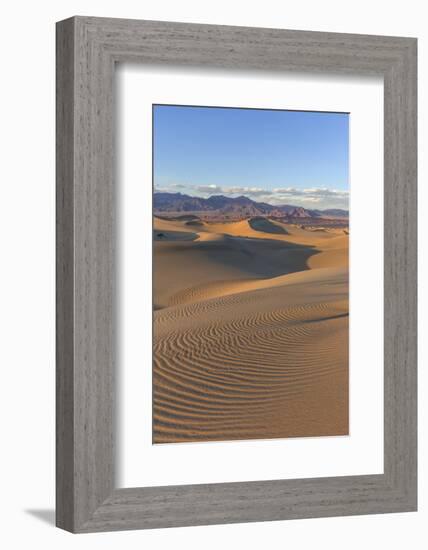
<point>250,331</point>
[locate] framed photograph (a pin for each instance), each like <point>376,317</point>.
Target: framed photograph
<point>236,274</point>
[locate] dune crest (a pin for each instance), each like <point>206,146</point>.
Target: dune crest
<point>266,226</point>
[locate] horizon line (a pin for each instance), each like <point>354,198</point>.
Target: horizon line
<point>279,205</point>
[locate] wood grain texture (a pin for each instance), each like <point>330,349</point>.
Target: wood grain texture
<point>87,49</point>
<point>64,277</point>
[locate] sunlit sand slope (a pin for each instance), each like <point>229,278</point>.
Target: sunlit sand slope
<point>250,334</point>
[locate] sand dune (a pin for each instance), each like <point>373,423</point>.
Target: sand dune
<point>250,332</point>
<point>174,236</point>
<point>266,226</point>
<point>160,224</point>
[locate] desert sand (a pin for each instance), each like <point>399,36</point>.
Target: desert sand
<point>250,330</point>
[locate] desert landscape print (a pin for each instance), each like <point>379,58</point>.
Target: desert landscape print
<point>250,274</point>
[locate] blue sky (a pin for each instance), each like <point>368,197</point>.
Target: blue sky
<point>280,157</point>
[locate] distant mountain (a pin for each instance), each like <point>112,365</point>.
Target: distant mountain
<point>335,212</point>
<point>177,202</point>
<point>238,206</point>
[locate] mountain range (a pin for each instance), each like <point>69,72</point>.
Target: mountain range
<point>237,206</point>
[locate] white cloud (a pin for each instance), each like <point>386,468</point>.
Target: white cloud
<point>209,189</point>
<point>322,192</point>
<point>218,189</point>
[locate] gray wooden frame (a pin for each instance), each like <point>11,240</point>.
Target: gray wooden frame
<point>87,50</point>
